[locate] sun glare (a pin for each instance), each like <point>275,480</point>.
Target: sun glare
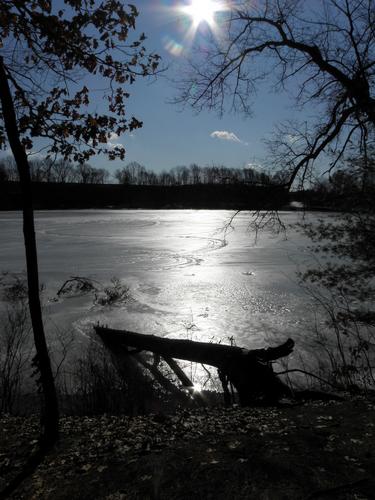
<point>193,17</point>
<point>202,11</point>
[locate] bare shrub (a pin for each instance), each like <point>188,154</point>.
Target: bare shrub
<point>61,351</point>
<point>15,354</point>
<point>14,286</point>
<point>16,290</point>
<point>98,386</point>
<point>111,294</point>
<point>114,293</point>
<point>346,346</point>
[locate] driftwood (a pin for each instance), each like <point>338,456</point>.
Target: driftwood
<point>250,371</point>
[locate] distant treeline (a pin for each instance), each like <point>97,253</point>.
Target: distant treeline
<point>59,170</point>
<point>63,184</point>
<point>135,174</point>
<point>201,196</point>
<point>138,175</point>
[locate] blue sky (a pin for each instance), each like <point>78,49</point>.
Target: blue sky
<point>173,136</point>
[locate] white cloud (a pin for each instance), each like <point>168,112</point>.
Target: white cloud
<point>113,140</point>
<point>226,136</point>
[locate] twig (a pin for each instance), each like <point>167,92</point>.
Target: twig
<point>309,374</point>
<point>85,282</point>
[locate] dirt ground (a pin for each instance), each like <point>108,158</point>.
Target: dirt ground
<point>307,451</point>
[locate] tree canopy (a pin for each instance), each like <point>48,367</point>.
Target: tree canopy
<point>51,51</point>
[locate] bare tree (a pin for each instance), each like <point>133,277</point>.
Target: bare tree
<point>322,50</point>
<point>9,168</point>
<point>84,173</point>
<point>61,170</point>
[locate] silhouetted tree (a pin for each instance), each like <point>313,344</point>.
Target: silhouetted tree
<point>122,176</point>
<point>132,173</point>
<point>10,168</point>
<point>322,51</point>
<point>44,51</point>
<point>86,174</point>
<point>342,280</point>
<point>60,170</point>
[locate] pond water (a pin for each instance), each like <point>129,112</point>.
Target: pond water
<point>190,275</point>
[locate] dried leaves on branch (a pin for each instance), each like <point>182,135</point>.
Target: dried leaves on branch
<point>50,51</point>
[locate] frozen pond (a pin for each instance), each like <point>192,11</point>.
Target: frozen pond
<point>187,277</point>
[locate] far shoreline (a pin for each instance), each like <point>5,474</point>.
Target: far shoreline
<point>238,196</point>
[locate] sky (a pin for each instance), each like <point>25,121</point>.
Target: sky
<point>174,135</point>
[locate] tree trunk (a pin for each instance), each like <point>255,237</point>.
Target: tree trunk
<point>250,371</point>
<point>50,416</point>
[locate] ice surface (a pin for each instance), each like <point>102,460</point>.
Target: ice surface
<point>188,277</point>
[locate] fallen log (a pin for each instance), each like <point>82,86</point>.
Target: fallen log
<point>250,371</point>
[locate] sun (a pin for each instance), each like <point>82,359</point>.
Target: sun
<point>202,11</point>
<point>193,18</point>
